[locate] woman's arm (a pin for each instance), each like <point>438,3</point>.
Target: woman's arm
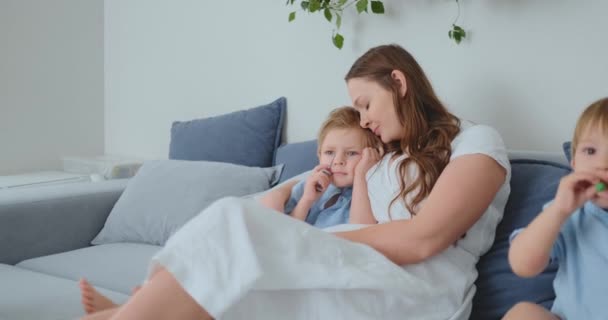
<point>360,208</point>
<point>276,198</point>
<point>463,192</point>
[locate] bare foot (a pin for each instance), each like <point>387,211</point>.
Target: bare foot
<point>92,300</point>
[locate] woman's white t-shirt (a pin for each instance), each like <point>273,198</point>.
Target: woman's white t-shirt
<point>452,271</point>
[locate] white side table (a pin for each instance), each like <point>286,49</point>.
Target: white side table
<point>41,178</point>
<point>103,167</point>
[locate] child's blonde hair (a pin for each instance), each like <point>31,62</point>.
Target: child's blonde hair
<point>596,115</point>
<point>346,118</point>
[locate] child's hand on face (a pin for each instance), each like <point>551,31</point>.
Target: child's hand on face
<point>316,178</point>
<point>369,157</point>
<point>575,189</point>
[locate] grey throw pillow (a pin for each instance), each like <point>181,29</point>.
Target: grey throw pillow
<point>165,194</point>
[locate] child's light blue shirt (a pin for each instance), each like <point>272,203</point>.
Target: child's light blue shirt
<point>581,251</point>
<point>318,215</point>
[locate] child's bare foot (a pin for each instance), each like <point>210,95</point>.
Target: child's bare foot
<point>92,300</point>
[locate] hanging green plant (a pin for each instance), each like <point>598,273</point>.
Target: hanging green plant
<point>332,11</point>
<point>457,33</point>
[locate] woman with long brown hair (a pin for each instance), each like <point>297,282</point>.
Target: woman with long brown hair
<point>437,195</point>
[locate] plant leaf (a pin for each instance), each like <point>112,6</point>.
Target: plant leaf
<point>314,5</point>
<point>304,5</point>
<point>292,16</point>
<point>377,7</point>
<point>338,40</point>
<point>341,3</point>
<point>361,6</point>
<point>457,33</point>
<point>327,14</point>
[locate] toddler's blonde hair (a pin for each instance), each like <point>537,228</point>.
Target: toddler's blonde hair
<point>346,118</point>
<point>595,116</point>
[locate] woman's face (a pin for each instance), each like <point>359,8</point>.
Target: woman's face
<point>376,108</point>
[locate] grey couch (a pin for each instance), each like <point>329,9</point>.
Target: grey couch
<point>45,236</point>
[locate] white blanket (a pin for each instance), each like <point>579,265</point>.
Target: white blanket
<point>240,260</point>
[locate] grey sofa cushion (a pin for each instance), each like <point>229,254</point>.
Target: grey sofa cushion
<point>165,194</point>
<point>30,295</point>
<point>117,266</point>
<point>297,158</point>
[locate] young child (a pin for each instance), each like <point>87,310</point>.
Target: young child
<point>346,152</point>
<point>573,229</point>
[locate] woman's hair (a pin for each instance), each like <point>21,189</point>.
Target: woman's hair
<point>428,127</point>
<point>346,118</point>
<point>595,115</point>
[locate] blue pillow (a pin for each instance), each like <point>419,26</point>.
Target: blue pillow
<point>533,183</point>
<point>297,158</point>
<point>567,146</point>
<point>248,137</point>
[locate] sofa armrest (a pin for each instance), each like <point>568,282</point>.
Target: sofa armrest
<point>46,220</point>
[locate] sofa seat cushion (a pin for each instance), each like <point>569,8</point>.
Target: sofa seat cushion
<point>116,266</point>
<point>26,294</point>
<point>533,183</point>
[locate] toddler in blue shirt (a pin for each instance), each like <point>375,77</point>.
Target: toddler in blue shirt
<point>572,229</point>
<point>346,151</point>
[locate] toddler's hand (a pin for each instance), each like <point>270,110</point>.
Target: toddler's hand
<point>369,157</point>
<point>318,178</point>
<point>575,189</point>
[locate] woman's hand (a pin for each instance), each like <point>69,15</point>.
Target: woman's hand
<point>369,157</point>
<point>575,189</point>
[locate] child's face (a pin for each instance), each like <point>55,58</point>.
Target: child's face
<point>591,155</point>
<point>344,146</point>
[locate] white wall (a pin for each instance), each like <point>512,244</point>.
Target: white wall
<point>527,68</point>
<point>51,82</point>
